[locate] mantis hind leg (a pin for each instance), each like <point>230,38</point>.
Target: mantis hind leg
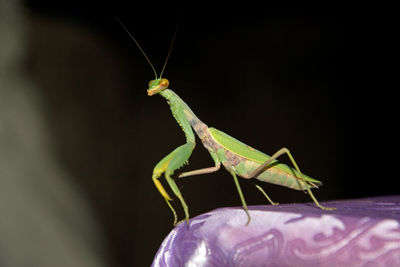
<point>173,161</point>
<point>266,196</point>
<point>279,153</point>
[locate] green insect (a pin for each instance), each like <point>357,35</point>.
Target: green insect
<point>238,158</point>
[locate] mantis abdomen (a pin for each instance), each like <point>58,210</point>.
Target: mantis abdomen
<point>273,175</point>
<point>244,160</point>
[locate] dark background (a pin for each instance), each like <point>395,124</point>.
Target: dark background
<point>315,79</point>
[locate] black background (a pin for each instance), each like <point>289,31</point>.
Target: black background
<point>315,79</point>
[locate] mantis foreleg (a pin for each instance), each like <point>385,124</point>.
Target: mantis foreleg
<point>280,152</point>
<point>173,161</point>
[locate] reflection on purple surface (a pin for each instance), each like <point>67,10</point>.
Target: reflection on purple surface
<point>361,232</point>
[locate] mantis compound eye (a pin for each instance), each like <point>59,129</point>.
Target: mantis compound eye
<point>164,83</point>
<point>151,83</point>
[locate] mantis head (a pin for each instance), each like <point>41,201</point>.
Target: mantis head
<point>157,85</point>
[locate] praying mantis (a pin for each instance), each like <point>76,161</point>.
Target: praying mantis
<point>238,158</point>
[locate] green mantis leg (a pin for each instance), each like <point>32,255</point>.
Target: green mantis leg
<point>274,157</point>
<point>178,194</point>
<point>266,196</point>
<point>173,161</point>
<point>200,171</point>
<point>241,197</point>
<point>204,170</point>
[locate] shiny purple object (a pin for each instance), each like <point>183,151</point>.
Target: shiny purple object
<point>361,232</point>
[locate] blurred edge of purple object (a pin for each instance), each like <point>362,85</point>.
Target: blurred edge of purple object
<point>361,232</point>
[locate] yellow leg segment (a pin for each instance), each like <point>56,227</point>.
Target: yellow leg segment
<point>168,165</point>
<point>161,189</point>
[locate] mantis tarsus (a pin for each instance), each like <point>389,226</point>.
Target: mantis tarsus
<point>238,158</point>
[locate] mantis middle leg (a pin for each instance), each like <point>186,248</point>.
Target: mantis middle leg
<point>204,170</point>
<point>235,179</point>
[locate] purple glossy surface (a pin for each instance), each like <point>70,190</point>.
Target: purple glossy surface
<point>361,232</point>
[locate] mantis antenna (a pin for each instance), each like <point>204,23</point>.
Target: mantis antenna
<point>137,44</point>
<point>169,51</point>
<point>144,54</point>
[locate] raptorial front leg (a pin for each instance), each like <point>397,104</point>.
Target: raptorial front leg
<point>168,165</point>
<point>279,153</point>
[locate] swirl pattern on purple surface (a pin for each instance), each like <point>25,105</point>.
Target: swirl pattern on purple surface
<point>362,232</point>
